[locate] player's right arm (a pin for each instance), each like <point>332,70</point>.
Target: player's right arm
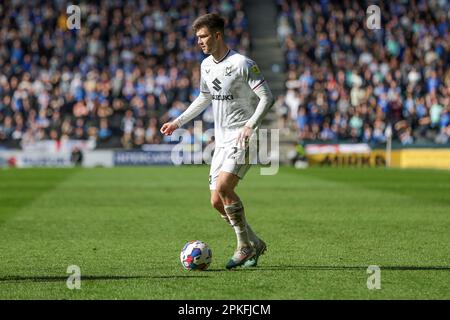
<point>197,106</point>
<point>168,128</point>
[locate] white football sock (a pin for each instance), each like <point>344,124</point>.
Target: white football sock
<point>235,212</point>
<point>252,236</point>
<point>227,220</point>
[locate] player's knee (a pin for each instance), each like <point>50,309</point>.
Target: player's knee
<point>223,189</point>
<point>216,203</point>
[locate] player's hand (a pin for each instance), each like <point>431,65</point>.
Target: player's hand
<point>168,128</point>
<point>244,137</point>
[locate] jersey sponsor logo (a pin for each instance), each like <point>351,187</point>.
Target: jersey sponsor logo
<point>222,97</point>
<point>216,83</point>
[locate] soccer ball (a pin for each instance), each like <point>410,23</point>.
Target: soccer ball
<point>196,255</point>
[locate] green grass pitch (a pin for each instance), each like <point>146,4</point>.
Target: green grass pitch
<point>125,227</point>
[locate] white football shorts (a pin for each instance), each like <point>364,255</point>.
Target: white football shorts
<point>232,159</point>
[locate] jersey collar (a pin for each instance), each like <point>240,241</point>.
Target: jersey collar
<point>226,55</point>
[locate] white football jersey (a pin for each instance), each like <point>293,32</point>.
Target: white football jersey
<point>230,82</point>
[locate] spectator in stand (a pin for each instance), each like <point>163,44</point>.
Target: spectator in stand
<point>128,56</point>
<point>365,79</point>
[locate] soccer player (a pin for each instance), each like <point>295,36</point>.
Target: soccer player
<point>232,83</point>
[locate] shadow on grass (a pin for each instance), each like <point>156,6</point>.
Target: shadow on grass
<point>89,278</point>
<point>203,274</point>
<point>393,268</point>
<point>334,268</point>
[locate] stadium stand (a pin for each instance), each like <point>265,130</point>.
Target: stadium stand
<point>131,66</point>
<point>134,64</point>
<point>348,83</point>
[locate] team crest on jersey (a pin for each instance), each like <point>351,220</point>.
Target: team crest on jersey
<point>255,69</point>
<point>228,71</point>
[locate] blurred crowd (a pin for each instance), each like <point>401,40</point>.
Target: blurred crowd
<point>133,65</point>
<point>349,82</point>
<point>130,67</point>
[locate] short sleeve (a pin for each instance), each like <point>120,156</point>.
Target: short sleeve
<point>252,74</point>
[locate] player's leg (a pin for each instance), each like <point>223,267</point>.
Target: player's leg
<point>217,204</point>
<point>255,241</point>
<point>237,161</point>
<point>216,164</point>
<point>226,183</point>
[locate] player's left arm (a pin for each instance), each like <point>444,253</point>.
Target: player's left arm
<point>258,84</point>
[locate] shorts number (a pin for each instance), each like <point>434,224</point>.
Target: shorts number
<point>233,155</point>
